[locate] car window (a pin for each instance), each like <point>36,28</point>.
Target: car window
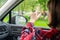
<point>6,19</point>
<point>26,8</point>
<point>2,2</point>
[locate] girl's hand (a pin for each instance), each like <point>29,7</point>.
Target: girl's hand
<point>34,16</point>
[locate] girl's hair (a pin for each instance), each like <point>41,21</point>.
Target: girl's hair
<point>54,8</point>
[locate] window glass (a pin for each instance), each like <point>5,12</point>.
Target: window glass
<point>6,19</point>
<point>29,6</point>
<point>2,2</point>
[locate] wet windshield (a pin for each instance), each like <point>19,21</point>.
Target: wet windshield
<point>2,2</point>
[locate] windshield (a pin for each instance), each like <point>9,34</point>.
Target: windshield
<point>2,2</point>
<point>22,13</point>
<point>33,6</point>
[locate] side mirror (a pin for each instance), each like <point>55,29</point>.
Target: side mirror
<point>20,20</point>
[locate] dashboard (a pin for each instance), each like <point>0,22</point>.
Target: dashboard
<point>3,30</point>
<point>11,29</point>
<point>16,30</point>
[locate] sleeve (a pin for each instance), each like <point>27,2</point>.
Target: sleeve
<point>30,26</point>
<point>29,37</point>
<point>24,33</point>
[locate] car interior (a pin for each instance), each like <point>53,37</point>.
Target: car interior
<point>11,30</point>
